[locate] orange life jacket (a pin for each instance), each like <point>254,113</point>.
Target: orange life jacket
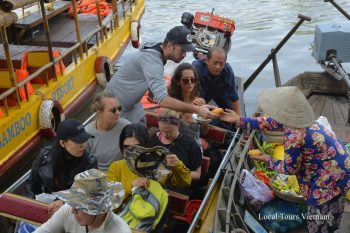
<point>89,7</point>
<point>41,78</point>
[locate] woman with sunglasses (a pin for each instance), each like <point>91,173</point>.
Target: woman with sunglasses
<point>137,134</point>
<point>106,129</point>
<point>184,86</point>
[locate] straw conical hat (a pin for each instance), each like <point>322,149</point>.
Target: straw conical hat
<point>287,105</point>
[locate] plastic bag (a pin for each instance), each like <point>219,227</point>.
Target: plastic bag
<point>324,122</point>
<point>26,228</point>
<point>256,192</point>
<point>45,197</point>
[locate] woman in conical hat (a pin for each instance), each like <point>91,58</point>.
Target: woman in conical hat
<point>311,152</point>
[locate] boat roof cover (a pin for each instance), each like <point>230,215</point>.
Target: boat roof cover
<point>7,18</point>
<point>14,4</point>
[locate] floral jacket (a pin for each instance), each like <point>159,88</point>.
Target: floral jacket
<point>314,154</point>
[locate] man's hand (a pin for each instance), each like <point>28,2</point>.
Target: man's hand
<point>54,206</point>
<point>198,101</point>
<point>172,160</point>
<point>204,112</point>
<point>231,117</point>
<point>140,182</point>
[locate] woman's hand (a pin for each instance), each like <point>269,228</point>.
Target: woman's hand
<point>198,101</point>
<point>140,182</point>
<point>172,160</point>
<point>54,206</point>
<point>231,117</point>
<point>263,157</point>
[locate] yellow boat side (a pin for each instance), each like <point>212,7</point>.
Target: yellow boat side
<point>19,131</point>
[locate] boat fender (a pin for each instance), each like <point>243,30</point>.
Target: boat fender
<point>50,115</point>
<point>103,70</point>
<point>135,31</point>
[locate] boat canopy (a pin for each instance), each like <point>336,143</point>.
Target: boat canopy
<point>14,4</point>
<point>7,18</point>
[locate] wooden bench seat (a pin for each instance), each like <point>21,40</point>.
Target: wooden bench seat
<point>23,209</point>
<point>34,19</point>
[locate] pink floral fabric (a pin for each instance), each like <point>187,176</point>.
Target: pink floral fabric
<point>314,154</point>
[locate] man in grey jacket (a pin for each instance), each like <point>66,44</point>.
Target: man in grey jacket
<point>145,71</point>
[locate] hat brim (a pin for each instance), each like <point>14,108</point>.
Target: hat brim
<point>101,202</point>
<point>187,47</point>
<point>81,138</point>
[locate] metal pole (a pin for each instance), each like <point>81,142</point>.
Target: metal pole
<point>77,28</point>
<point>339,8</point>
<point>223,163</point>
<point>13,79</point>
<point>48,39</point>
<point>276,70</point>
<point>249,81</point>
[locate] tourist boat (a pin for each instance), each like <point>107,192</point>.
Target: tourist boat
<point>52,62</point>
<point>224,208</point>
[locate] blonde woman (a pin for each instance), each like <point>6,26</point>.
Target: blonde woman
<point>105,129</point>
<point>183,146</point>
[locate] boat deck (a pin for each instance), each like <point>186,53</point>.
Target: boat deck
<point>336,110</point>
<point>64,34</point>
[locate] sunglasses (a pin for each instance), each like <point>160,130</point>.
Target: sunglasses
<point>188,80</point>
<point>114,110</point>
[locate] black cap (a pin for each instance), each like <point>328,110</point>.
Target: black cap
<point>182,36</point>
<point>73,130</point>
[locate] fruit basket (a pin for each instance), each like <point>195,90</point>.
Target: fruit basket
<point>282,188</point>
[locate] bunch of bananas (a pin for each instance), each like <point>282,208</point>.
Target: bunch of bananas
<point>291,185</point>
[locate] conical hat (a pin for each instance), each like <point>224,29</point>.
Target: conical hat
<point>288,106</point>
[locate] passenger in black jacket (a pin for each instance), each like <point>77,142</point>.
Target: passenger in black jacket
<point>57,164</point>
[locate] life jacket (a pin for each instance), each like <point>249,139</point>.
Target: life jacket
<point>20,76</point>
<point>33,60</point>
<point>89,7</point>
<point>146,207</point>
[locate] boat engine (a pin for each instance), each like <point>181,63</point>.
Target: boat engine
<point>331,47</point>
<point>209,30</point>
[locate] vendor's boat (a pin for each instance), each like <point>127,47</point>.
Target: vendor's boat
<point>327,93</point>
<point>50,64</point>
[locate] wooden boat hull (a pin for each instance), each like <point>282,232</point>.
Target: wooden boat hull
<point>19,131</point>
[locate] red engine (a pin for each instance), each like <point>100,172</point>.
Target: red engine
<point>212,21</point>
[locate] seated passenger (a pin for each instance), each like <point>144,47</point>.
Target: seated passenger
<point>105,129</point>
<point>185,87</point>
<point>88,208</point>
<point>183,146</point>
<point>137,134</point>
<point>57,164</point>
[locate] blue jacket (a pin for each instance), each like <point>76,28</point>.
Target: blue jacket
<point>222,89</point>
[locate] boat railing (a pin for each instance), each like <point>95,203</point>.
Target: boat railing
<point>100,33</point>
<point>227,157</point>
